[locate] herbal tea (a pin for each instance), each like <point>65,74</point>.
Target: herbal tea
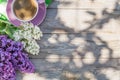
<point>25,9</point>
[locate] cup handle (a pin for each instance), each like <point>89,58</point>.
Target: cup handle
<point>40,1</point>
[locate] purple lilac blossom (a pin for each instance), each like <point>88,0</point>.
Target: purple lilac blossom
<point>13,58</point>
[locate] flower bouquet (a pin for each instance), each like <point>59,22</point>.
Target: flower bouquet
<point>18,34</point>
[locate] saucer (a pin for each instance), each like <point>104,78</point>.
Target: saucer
<point>38,19</point>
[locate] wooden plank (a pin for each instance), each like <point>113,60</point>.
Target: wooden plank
<point>84,4</point>
<point>76,21</point>
<point>54,75</point>
<point>44,71</point>
<point>75,68</point>
<point>93,74</point>
<point>106,46</point>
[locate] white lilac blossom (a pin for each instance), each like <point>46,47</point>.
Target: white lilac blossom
<point>32,47</point>
<point>28,34</point>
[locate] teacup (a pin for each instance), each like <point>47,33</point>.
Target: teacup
<point>25,10</point>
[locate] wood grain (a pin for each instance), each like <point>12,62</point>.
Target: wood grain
<point>59,70</point>
<point>80,42</point>
<point>106,46</point>
<point>84,4</point>
<point>76,21</point>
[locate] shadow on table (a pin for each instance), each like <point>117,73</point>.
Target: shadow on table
<point>76,56</point>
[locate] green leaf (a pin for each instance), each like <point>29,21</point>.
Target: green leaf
<point>7,28</point>
<point>1,1</point>
<point>2,26</point>
<point>9,32</point>
<point>3,17</point>
<point>48,2</point>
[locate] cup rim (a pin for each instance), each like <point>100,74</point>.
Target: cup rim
<point>36,21</point>
<point>21,19</point>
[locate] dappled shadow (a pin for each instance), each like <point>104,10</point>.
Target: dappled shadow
<point>106,17</point>
<point>71,54</point>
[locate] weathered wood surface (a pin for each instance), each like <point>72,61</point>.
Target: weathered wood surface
<point>84,4</point>
<point>81,69</point>
<point>81,42</point>
<point>76,21</point>
<point>67,44</point>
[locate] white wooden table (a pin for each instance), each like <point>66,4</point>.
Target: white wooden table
<point>81,42</point>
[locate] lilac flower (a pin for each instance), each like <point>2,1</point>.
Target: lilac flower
<point>9,45</point>
<point>7,71</point>
<point>28,35</point>
<point>18,46</point>
<point>3,41</point>
<point>13,58</point>
<point>21,62</point>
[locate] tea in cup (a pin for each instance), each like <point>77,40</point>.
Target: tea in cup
<point>25,10</point>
